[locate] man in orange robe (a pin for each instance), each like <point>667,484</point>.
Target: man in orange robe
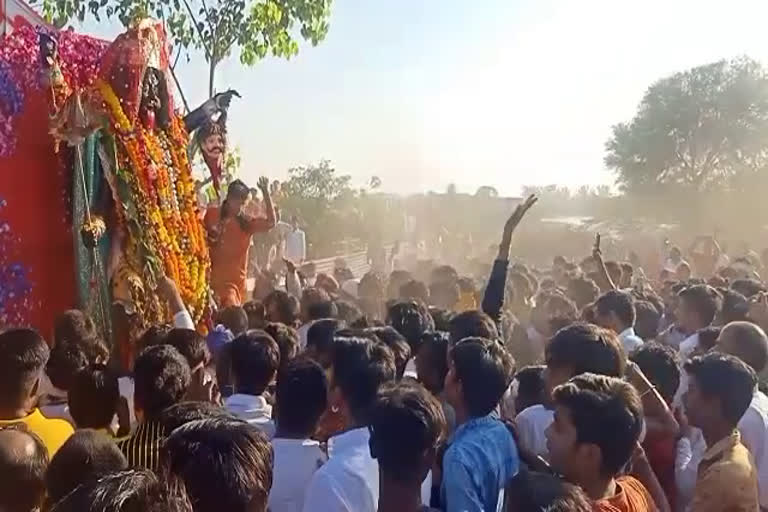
<point>229,238</point>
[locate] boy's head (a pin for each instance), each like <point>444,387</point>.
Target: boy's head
<point>93,397</point>
<point>161,377</point>
<point>72,325</point>
<point>582,348</point>
<point>191,345</point>
<point>697,307</point>
<point>583,291</point>
<point>301,396</point>
<point>746,341</point>
<point>615,310</point>
<point>233,318</point>
<point>647,320</point>
<point>407,426</point>
<point>287,340</point>
<point>397,343</point>
<point>431,361</point>
<point>23,355</point>
<point>359,368</point>
<point>255,359</point>
<point>720,390</point>
<point>479,372</point>
<point>23,463</point>
<point>735,307</point>
<point>187,412</point>
<point>257,315</point>
<point>542,492</point>
<point>85,457</point>
<point>531,388</point>
<point>281,307</point>
<point>320,338</point>
<point>67,358</point>
<point>412,320</point>
<point>659,363</point>
<point>472,324</point>
<point>598,421</point>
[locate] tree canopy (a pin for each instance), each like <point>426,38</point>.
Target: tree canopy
<point>699,129</point>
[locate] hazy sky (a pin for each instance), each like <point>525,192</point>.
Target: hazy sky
<point>423,93</point>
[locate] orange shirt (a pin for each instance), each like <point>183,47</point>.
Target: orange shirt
<point>229,253</point>
<point>631,496</point>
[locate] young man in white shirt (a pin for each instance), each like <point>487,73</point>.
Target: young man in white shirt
<point>255,359</point>
<point>349,481</point>
<point>615,310</point>
<point>302,397</point>
<point>697,309</point>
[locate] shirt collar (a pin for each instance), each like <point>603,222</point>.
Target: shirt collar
<point>349,440</point>
<point>629,331</point>
<point>722,445</point>
<point>247,401</point>
<point>472,424</point>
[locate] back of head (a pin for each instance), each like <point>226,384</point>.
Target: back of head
<point>93,397</point>
<point>360,367</point>
<point>748,287</point>
<point>414,290</point>
<point>67,358</point>
<point>187,412</point>
<point>735,306</point>
<point>153,336</point>
<point>72,325</point>
<point>133,490</point>
<point>582,291</point>
<point>412,320</point>
<point>725,377</point>
<point>287,339</point>
<point>191,345</point>
<point>256,314</point>
<point>531,388</point>
<point>161,377</point>
<point>302,396</point>
<point>23,354</point>
<point>86,456</point>
<point>320,338</point>
<point>747,341</point>
<point>316,304</point>
<point>23,462</point>
<point>472,324</point>
<point>224,464</point>
<point>233,318</point>
<point>708,337</point>
<point>659,363</point>
<point>542,492</point>
<point>397,343</point>
<point>407,426</point>
<point>281,307</point>
<point>606,412</point>
<point>432,358</point>
<point>485,369</point>
<point>586,348</point>
<point>347,312</point>
<point>255,360</point>
<point>619,304</point>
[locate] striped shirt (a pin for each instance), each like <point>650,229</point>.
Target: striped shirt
<point>142,449</point>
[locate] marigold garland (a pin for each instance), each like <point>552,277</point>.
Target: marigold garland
<point>154,165</point>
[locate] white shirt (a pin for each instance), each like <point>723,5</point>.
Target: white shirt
<point>295,461</point>
<point>253,409</point>
<point>630,340</point>
<point>688,345</point>
<point>303,331</point>
<point>349,481</point>
<point>296,246</point>
<point>532,423</point>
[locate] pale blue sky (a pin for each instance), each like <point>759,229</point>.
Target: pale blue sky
<point>423,93</point>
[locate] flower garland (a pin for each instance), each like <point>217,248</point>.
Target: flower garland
<point>154,165</point>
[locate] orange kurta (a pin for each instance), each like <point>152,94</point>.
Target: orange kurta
<point>229,253</point>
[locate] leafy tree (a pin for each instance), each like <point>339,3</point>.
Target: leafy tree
<point>696,130</point>
<point>217,27</point>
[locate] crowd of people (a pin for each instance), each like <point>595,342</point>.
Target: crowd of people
<point>571,386</point>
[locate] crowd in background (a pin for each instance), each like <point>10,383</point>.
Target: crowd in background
<point>574,385</point>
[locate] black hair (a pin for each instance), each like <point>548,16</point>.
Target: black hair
<point>531,389</point>
<point>582,291</point>
<point>472,324</point>
<point>395,341</point>
<point>735,306</point>
<point>414,290</point>
<point>406,422</point>
<point>238,188</point>
<point>647,320</point>
<point>435,347</point>
<point>703,299</point>
<point>484,368</point>
<point>659,363</point>
<point>586,348</point>
<point>323,309</point>
<point>347,312</point>
<point>161,377</point>
<point>726,377</point>
<point>320,337</point>
<point>233,318</point>
<point>606,412</point>
<point>412,320</point>
<point>22,486</point>
<point>84,458</point>
<point>93,397</point>
<point>287,307</point>
<point>751,344</point>
<point>748,287</point>
<point>224,464</point>
<point>186,412</point>
<point>359,368</point>
<point>133,490</point>
<point>23,354</point>
<point>530,491</point>
<point>153,336</point>
<point>619,303</point>
<point>256,314</point>
<point>255,361</point>
<point>708,337</point>
<point>66,359</point>
<point>191,345</point>
<point>287,340</point>
<point>72,325</point>
<point>301,396</point>
<point>442,319</point>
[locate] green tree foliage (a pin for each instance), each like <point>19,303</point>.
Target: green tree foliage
<point>699,129</point>
<point>216,27</point>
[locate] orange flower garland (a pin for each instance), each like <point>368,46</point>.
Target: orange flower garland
<point>154,165</point>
